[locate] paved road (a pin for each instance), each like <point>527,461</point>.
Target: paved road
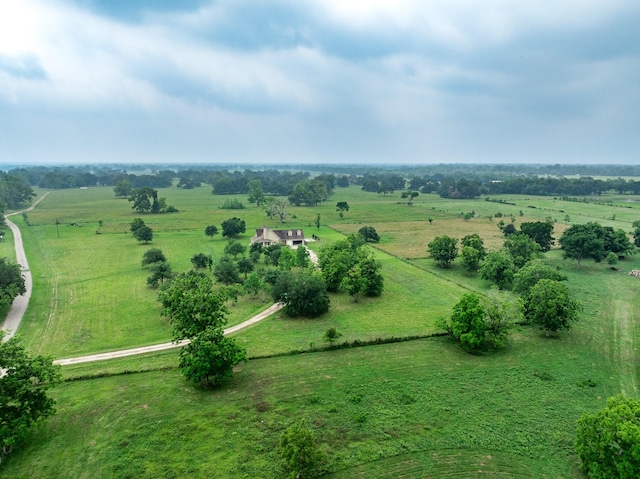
<point>19,306</point>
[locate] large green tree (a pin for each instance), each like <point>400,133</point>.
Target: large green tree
<point>197,312</point>
<point>153,255</point>
<point>608,442</point>
<point>551,305</point>
<point>24,401</point>
<point>443,250</point>
<point>467,322</point>
<point>539,231</point>
<point>582,241</point>
<point>499,268</point>
<point>15,190</point>
<point>233,227</point>
<point>11,281</point>
<point>303,294</point>
<point>210,358</point>
<point>369,234</point>
<point>532,272</point>
<point>522,249</point>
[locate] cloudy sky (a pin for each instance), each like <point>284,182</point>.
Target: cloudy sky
<point>335,81</point>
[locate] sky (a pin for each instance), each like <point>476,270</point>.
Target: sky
<point>320,81</point>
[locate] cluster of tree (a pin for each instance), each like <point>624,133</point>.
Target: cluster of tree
<point>145,200</point>
<point>11,281</point>
<point>479,322</point>
<point>24,383</point>
<point>310,192</point>
<point>461,189</point>
<point>15,190</point>
<point>197,312</point>
<point>592,240</point>
<point>608,442</point>
<point>141,231</point>
<point>159,267</point>
<point>350,265</point>
<point>381,183</point>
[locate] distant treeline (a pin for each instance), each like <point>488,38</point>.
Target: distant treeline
<point>449,181</point>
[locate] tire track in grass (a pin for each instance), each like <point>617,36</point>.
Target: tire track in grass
<point>624,347</point>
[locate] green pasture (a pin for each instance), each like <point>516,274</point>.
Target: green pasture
<point>421,408</point>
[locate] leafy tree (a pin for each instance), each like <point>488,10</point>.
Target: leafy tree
<point>309,192</point>
<point>531,273</point>
<point>143,234</point>
<point>509,229</point>
<point>202,261</point>
<point>253,284</point>
<point>272,254</point>
<point>136,224</point>
<point>303,294</point>
<point>123,189</point>
<point>211,231</point>
<point>287,259</point>
<point>342,207</point>
<point>467,322</point>
<point>474,241</point>
<point>409,195</point>
<point>15,190</point>
<point>300,455</point>
<point>11,281</point>
<point>499,268</point>
<point>23,392</point>
<point>522,249</point>
<point>369,234</point>
<point>145,200</point>
<point>608,442</point>
<point>582,241</point>
<point>539,231</point>
<point>232,227</point>
<point>332,335</point>
<point>616,241</point>
<point>234,248</point>
<point>153,255</point>
<point>302,257</point>
<point>192,305</point>
<point>245,266</point>
<point>611,258</point>
<point>636,233</point>
<point>256,193</point>
<point>501,311</point>
<point>226,271</point>
<point>363,277</point>
<point>338,258</point>
<point>471,258</point>
<point>210,358</point>
<point>277,208</point>
<point>317,222</point>
<point>160,272</point>
<point>443,249</point>
<point>551,305</point>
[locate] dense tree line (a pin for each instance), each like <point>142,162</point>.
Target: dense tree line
<point>15,191</point>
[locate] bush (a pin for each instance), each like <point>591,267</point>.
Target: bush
<point>302,294</point>
<point>301,457</point>
<point>232,204</point>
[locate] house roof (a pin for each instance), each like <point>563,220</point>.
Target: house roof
<point>291,234</point>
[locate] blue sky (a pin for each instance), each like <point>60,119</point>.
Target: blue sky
<point>284,81</point>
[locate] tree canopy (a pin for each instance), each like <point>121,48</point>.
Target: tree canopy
<point>443,250</point>
<point>233,227</point>
<point>23,392</point>
<point>369,234</point>
<point>153,255</point>
<point>608,442</point>
<point>550,304</point>
<point>303,294</point>
<point>499,268</point>
<point>539,231</point>
<point>11,281</point>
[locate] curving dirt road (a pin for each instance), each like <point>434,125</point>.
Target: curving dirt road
<point>19,306</point>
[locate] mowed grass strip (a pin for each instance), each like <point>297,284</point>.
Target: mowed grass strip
<point>424,397</point>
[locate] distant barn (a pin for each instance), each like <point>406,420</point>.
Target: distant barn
<point>267,236</point>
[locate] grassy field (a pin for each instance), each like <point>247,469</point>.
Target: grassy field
<point>415,409</point>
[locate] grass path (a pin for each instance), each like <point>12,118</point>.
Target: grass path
<point>625,315</point>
